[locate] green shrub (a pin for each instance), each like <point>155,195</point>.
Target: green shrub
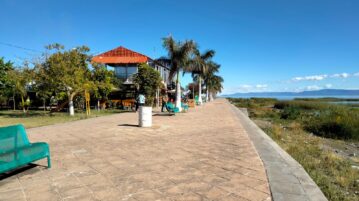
<point>290,112</point>
<point>252,102</point>
<point>287,125</point>
<point>300,104</point>
<point>267,113</point>
<point>319,118</point>
<point>322,119</point>
<point>335,122</point>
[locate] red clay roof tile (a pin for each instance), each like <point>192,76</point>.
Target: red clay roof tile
<point>120,55</point>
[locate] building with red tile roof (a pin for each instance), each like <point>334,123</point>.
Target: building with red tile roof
<point>120,56</point>
<point>126,61</point>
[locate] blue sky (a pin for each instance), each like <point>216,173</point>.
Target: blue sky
<point>262,45</point>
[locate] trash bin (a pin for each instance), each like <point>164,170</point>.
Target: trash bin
<point>145,116</point>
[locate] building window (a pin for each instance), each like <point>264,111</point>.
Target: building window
<point>125,72</point>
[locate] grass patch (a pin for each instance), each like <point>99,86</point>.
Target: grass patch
<point>36,118</point>
<point>299,127</point>
<point>322,119</point>
<point>333,174</point>
<point>252,102</point>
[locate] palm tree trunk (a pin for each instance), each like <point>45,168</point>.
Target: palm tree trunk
<point>207,93</point>
<point>211,96</point>
<point>158,97</point>
<point>27,107</point>
<point>13,98</point>
<point>23,104</point>
<point>178,92</point>
<point>44,102</point>
<point>199,90</point>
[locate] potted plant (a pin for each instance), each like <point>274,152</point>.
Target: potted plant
<point>147,80</point>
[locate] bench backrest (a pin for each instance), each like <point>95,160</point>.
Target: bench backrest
<point>12,137</point>
<point>170,105</point>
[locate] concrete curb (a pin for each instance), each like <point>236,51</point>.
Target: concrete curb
<point>287,178</point>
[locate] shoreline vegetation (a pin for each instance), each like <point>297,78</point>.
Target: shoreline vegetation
<point>323,137</point>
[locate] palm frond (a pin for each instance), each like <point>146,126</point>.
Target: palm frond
<point>169,44</point>
<point>179,54</point>
<point>209,54</point>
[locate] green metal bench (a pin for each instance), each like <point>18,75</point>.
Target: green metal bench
<point>17,151</point>
<point>184,106</point>
<point>172,108</point>
<point>196,99</point>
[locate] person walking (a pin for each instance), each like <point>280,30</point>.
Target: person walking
<point>141,99</point>
<point>164,102</point>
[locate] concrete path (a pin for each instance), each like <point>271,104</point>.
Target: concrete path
<point>204,154</point>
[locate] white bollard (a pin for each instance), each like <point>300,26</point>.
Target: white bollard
<point>145,116</point>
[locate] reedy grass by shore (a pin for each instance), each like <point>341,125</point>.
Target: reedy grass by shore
<point>290,124</point>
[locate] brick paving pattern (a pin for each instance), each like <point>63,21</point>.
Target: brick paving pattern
<point>204,154</point>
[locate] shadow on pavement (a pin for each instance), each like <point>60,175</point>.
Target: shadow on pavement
<point>19,170</point>
<point>128,125</point>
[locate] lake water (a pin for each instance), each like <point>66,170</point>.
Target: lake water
<point>345,102</point>
<point>293,97</point>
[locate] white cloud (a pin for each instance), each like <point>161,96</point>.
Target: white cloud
<point>340,75</point>
<point>310,78</point>
<point>312,87</point>
<point>261,86</point>
<point>324,76</point>
<point>243,88</point>
<point>297,90</point>
<point>238,89</point>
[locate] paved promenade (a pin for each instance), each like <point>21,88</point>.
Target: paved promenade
<point>204,154</point>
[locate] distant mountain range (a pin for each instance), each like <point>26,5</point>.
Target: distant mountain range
<point>321,93</point>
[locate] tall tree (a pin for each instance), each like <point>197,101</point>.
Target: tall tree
<point>42,87</point>
<point>103,81</point>
<point>213,82</point>
<point>178,54</point>
<point>21,80</point>
<point>148,80</point>
<point>198,66</point>
<point>67,71</point>
<point>5,68</point>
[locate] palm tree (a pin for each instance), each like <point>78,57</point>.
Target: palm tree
<point>199,67</point>
<point>178,54</point>
<point>213,82</point>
